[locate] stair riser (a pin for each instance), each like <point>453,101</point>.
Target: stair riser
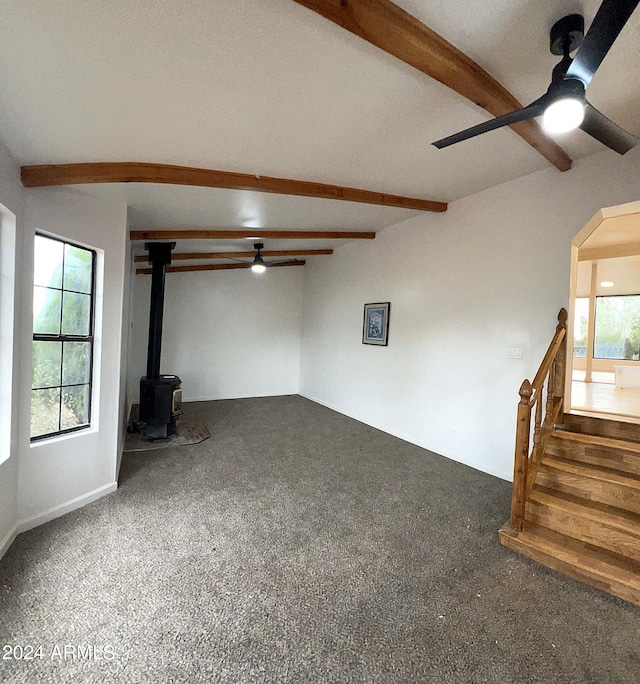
<point>607,457</point>
<point>613,494</point>
<point>602,427</point>
<point>585,530</point>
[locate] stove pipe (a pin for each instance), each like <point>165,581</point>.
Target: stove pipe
<point>160,395</point>
<point>159,258</point>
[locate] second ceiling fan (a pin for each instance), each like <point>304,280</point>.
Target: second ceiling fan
<point>564,106</point>
<point>259,265</point>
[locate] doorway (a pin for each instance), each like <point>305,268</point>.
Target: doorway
<point>604,316</point>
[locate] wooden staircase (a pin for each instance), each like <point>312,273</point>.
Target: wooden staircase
<point>576,501</point>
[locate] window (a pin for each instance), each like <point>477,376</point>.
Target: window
<point>63,284</point>
<point>617,327</point>
<point>580,325</point>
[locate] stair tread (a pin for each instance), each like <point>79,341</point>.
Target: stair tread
<point>595,472</point>
<point>596,440</point>
<point>589,562</point>
<point>612,516</point>
<point>606,453</point>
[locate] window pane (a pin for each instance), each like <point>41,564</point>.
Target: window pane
<point>617,327</point>
<point>46,310</point>
<point>76,357</point>
<point>77,269</point>
<point>76,310</point>
<point>47,357</point>
<point>75,407</point>
<point>45,411</point>
<point>47,265</point>
<point>580,325</point>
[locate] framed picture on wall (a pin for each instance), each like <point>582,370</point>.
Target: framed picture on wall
<point>375,328</point>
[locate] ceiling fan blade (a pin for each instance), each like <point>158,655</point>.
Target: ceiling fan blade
<point>599,127</point>
<point>281,262</point>
<point>605,28</point>
<point>534,109</point>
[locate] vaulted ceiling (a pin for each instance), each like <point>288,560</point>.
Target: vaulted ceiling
<point>275,89</point>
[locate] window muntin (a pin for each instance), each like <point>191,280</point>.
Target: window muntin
<point>63,305</point>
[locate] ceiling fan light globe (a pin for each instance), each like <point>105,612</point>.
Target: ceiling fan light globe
<point>258,268</point>
<point>563,115</point>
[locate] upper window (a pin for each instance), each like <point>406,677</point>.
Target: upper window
<point>617,327</point>
<point>63,285</point>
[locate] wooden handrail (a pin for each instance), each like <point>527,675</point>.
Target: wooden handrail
<point>549,358</point>
<point>526,462</point>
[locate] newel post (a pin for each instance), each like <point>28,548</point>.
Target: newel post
<point>523,432</point>
<point>561,357</point>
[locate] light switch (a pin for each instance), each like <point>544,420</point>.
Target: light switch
<point>514,353</point>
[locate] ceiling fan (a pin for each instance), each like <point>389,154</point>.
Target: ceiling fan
<point>259,265</point>
<point>564,106</point>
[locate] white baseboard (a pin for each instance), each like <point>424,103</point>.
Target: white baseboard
<point>187,400</point>
<point>406,438</point>
<point>64,508</point>
<point>8,540</point>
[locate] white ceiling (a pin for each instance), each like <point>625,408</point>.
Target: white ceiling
<point>623,272</point>
<point>615,230</point>
<point>272,88</point>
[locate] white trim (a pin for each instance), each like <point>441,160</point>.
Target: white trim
<point>88,430</point>
<point>64,508</point>
<point>8,540</point>
<point>123,440</point>
<point>8,271</point>
<point>406,438</point>
<point>240,396</point>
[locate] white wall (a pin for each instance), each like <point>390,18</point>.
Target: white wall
<point>227,334</point>
<point>10,259</point>
<point>59,474</point>
<point>490,273</point>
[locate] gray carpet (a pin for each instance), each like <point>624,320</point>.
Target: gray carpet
<point>297,545</point>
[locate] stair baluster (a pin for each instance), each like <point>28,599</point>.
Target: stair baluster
<point>552,373</point>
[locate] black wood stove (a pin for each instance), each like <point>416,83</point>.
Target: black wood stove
<point>160,395</point>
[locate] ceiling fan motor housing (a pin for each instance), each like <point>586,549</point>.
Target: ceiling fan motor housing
<point>566,34</point>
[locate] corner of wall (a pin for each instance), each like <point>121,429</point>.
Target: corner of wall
<point>11,241</point>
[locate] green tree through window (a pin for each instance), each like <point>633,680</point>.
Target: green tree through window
<point>617,329</point>
<point>62,337</point>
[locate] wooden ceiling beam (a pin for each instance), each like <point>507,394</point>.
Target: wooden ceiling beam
<point>214,267</point>
<point>400,34</point>
<point>258,233</point>
<point>187,256</point>
<point>46,175</point>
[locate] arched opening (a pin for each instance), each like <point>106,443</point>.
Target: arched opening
<point>603,370</point>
